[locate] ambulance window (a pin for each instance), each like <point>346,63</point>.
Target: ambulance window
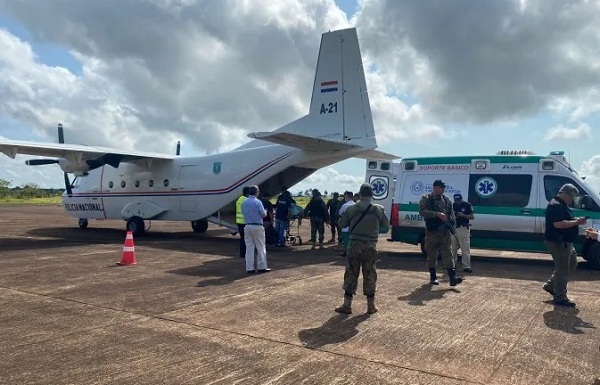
<point>553,183</point>
<point>409,166</point>
<point>500,190</point>
<point>166,183</point>
<point>385,166</point>
<point>372,165</point>
<point>123,184</point>
<point>548,165</point>
<point>150,183</point>
<point>110,184</point>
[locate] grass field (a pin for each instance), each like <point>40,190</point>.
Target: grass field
<point>35,201</point>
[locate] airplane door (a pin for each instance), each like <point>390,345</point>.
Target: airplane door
<point>189,181</point>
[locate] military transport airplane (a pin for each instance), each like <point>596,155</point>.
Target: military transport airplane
<point>138,186</point>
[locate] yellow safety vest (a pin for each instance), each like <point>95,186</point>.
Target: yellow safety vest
<point>239,217</point>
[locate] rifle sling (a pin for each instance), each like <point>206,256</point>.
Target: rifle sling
<point>361,217</point>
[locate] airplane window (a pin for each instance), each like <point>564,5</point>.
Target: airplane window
<point>123,184</point>
<point>150,183</point>
<point>137,183</point>
<point>110,184</point>
<point>166,183</point>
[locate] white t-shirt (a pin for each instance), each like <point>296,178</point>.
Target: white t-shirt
<point>343,210</point>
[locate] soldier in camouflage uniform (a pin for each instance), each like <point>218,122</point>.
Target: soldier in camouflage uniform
<point>437,211</point>
<point>365,220</point>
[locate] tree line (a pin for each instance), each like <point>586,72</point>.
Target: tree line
<point>27,191</point>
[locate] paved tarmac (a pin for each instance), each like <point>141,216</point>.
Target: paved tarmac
<point>188,313</point>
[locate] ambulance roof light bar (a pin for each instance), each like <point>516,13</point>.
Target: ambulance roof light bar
<point>515,152</point>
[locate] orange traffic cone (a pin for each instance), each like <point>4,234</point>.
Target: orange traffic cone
<point>128,256</point>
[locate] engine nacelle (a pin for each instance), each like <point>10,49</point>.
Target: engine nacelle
<point>73,167</point>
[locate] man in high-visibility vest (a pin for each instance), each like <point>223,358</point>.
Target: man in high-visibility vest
<point>239,219</point>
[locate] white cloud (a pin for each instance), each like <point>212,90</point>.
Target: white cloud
<point>582,132</point>
<point>328,179</point>
<point>590,169</point>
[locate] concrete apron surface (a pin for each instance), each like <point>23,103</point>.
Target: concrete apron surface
<point>187,313</point>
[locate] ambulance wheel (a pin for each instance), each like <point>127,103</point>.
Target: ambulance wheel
<point>200,226</point>
<point>83,223</point>
<point>593,256</point>
<point>136,226</point>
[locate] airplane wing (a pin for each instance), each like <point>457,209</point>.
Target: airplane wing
<point>308,143</point>
<point>75,152</point>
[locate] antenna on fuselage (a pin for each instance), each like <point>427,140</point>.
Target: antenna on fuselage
<point>178,150</point>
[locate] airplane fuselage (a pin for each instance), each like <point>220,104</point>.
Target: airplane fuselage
<point>187,188</point>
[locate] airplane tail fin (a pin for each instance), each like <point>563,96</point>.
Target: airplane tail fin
<point>339,109</point>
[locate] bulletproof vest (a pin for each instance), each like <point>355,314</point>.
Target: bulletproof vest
<point>433,224</point>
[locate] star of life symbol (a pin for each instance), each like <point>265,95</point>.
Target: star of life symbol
<point>486,187</point>
<point>380,187</point>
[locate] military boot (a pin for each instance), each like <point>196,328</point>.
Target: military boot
<point>321,245</point>
<point>346,307</point>
<point>454,279</point>
<point>433,277</point>
<point>314,245</point>
<point>371,308</point>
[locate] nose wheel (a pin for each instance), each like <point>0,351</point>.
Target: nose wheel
<point>83,223</point>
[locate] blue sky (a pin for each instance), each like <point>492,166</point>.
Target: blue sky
<point>132,75</point>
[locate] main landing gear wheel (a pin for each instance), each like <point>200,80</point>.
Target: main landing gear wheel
<point>200,226</point>
<point>136,226</point>
<point>83,223</point>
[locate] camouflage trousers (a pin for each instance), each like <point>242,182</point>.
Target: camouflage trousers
<point>317,225</point>
<point>361,254</point>
<point>439,242</point>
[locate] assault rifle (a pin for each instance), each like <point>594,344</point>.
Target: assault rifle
<point>449,226</point>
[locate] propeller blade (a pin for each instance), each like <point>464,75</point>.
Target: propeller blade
<point>40,162</point>
<point>68,185</point>
<point>61,135</point>
<point>178,150</point>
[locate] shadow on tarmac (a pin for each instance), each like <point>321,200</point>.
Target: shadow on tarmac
<point>339,328</point>
<point>219,242</point>
<point>565,319</point>
<point>423,294</point>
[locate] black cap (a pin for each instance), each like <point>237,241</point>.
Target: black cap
<point>440,183</point>
<point>457,196</point>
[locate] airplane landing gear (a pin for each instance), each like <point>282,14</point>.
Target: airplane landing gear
<point>200,226</point>
<point>136,226</point>
<point>83,223</point>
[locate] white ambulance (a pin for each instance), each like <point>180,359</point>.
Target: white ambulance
<point>509,192</point>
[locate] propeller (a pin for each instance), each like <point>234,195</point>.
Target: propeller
<point>40,162</point>
<point>178,150</point>
<point>61,139</point>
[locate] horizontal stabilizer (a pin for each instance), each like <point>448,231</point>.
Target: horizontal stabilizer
<point>305,143</point>
<point>376,154</point>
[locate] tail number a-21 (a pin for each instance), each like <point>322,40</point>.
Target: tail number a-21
<point>330,108</point>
